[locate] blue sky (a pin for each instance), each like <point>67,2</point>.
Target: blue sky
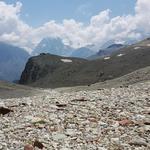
<point>37,12</point>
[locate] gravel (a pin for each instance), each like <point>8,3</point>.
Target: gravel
<point>104,119</point>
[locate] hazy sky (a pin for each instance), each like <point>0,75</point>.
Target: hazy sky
<point>37,12</point>
<point>77,22</point>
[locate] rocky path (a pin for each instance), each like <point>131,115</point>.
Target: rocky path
<point>104,119</point>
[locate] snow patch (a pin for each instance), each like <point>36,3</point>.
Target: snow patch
<point>106,58</point>
<point>119,55</point>
<point>136,48</point>
<point>66,60</point>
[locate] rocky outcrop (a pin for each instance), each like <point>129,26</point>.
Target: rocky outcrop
<point>53,71</point>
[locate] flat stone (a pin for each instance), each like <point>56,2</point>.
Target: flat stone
<point>2,104</point>
<point>138,142</point>
<point>59,136</point>
<point>70,132</point>
<point>28,147</point>
<point>1,147</point>
<point>125,122</point>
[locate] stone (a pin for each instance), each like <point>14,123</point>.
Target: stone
<point>2,104</point>
<point>70,132</point>
<point>116,140</point>
<point>147,122</point>
<point>80,100</point>
<point>28,147</point>
<point>147,128</point>
<point>138,142</point>
<point>59,136</point>
<point>61,105</point>
<point>1,147</point>
<point>5,111</point>
<point>102,148</point>
<point>118,121</point>
<point>125,122</point>
<point>103,124</point>
<point>38,144</point>
<point>35,120</point>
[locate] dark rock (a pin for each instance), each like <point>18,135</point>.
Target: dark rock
<point>60,105</point>
<point>80,100</point>
<point>38,144</point>
<point>4,110</point>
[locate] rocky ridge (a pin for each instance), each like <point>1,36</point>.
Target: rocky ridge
<point>103,119</point>
<point>49,71</point>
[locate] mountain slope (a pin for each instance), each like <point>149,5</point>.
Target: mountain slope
<point>51,70</point>
<point>120,63</point>
<point>12,61</point>
<point>107,51</point>
<point>138,76</point>
<point>53,46</point>
<point>11,90</point>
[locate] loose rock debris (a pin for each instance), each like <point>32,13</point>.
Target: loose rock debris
<point>107,119</point>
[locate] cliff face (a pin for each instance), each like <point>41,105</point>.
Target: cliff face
<point>47,68</point>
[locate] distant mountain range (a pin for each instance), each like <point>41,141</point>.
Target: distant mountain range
<point>82,52</point>
<point>53,71</point>
<point>12,61</point>
<point>56,46</point>
<point>107,51</point>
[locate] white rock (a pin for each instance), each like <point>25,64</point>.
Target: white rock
<point>147,127</point>
<point>102,148</point>
<point>64,148</point>
<point>139,117</point>
<point>2,104</point>
<point>59,136</point>
<point>33,119</point>
<point>70,132</point>
<point>116,140</point>
<point>138,142</point>
<point>1,147</point>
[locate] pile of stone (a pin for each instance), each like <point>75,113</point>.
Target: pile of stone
<point>104,119</point>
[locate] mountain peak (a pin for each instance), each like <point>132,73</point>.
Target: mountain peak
<point>53,46</point>
<point>115,46</point>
